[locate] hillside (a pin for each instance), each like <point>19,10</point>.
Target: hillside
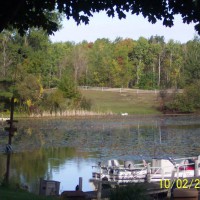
<point>126,101</point>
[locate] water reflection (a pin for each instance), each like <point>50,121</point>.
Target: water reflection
<point>63,164</point>
<point>65,149</point>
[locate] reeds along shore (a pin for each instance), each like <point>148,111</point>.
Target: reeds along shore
<point>71,113</point>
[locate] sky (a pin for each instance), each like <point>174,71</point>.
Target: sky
<point>102,26</point>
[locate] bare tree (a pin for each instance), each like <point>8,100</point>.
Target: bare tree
<point>6,60</point>
<point>79,61</point>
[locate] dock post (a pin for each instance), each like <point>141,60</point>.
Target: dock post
<point>172,180</point>
<point>99,186</point>
<point>162,171</point>
<point>99,190</point>
<point>196,170</point>
<point>148,173</point>
<point>80,184</point>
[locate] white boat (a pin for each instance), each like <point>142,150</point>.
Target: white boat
<point>158,169</point>
<point>178,168</point>
<point>113,171</point>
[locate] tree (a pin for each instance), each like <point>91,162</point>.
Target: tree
<point>173,64</point>
<point>192,57</point>
<point>55,101</point>
<point>186,102</point>
<point>122,66</point>
<point>68,86</point>
<point>60,53</point>
<point>79,61</point>
<point>23,14</point>
<point>100,63</point>
<point>5,53</point>
<point>11,53</point>
<point>5,94</point>
<point>158,50</point>
<point>140,57</point>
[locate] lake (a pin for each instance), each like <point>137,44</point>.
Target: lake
<point>64,149</point>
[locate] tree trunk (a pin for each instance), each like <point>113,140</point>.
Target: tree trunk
<point>159,69</point>
<point>138,76</point>
<point>4,58</point>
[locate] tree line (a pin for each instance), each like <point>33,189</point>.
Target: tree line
<point>31,64</point>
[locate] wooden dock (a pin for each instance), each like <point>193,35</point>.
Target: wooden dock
<point>153,189</point>
<point>157,190</point>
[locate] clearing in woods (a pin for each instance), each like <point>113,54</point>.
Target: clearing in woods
<point>127,101</point>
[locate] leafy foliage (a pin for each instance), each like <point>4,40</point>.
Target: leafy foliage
<point>54,102</point>
<point>192,60</point>
<point>85,104</point>
<point>68,87</point>
<point>34,65</point>
<point>23,15</point>
<point>10,192</point>
<point>187,102</point>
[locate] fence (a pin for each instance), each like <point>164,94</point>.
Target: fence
<point>137,91</point>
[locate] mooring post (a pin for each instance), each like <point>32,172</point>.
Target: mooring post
<point>172,180</point>
<point>148,173</point>
<point>99,186</point>
<point>80,184</point>
<point>162,171</point>
<point>99,190</point>
<point>196,170</point>
<point>177,173</point>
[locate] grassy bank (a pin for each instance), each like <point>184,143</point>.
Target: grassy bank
<point>7,193</point>
<point>116,102</point>
<point>111,102</point>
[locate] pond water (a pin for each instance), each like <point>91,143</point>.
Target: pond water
<point>64,149</point>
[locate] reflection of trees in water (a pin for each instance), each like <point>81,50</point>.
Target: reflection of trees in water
<point>29,167</point>
<point>2,166</point>
<point>117,137</point>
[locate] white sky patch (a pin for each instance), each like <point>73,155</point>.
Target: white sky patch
<point>102,26</point>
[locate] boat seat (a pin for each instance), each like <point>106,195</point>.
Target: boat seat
<point>188,165</point>
<point>113,163</point>
<point>129,164</point>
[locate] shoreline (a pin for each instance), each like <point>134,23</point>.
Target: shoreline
<point>104,115</point>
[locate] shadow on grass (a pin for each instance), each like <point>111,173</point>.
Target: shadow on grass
<point>14,192</point>
<point>130,192</point>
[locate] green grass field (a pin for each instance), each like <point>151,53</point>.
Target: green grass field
<point>116,102</point>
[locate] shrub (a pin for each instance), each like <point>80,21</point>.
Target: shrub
<point>187,102</point>
<point>85,104</point>
<point>129,192</point>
